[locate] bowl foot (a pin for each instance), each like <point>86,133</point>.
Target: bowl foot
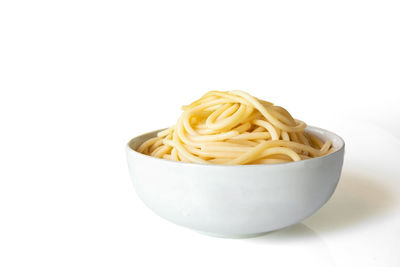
<point>232,235</point>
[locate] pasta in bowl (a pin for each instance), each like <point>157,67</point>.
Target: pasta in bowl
<point>238,189</point>
<point>235,128</point>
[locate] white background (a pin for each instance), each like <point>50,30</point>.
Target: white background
<point>78,79</point>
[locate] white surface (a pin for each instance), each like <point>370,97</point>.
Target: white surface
<point>235,201</point>
<point>78,79</point>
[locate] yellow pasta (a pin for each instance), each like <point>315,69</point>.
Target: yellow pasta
<point>235,128</point>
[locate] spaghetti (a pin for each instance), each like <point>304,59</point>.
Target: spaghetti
<point>235,128</point>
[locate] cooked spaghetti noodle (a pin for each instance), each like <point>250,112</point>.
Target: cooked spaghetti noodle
<point>235,128</point>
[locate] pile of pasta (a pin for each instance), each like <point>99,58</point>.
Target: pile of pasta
<point>235,128</point>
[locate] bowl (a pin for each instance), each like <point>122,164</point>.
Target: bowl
<point>235,201</point>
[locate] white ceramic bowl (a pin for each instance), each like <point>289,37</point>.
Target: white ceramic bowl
<point>235,200</point>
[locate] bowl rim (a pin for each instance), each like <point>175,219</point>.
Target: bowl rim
<point>286,164</point>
